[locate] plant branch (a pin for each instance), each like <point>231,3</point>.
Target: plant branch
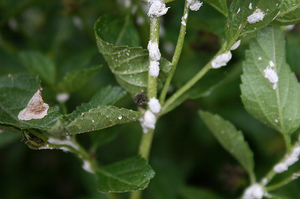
<point>177,53</point>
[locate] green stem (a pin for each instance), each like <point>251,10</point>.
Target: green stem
<point>288,144</point>
<point>282,183</point>
<point>176,55</point>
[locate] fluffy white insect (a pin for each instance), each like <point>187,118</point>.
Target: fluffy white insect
<point>256,16</point>
<point>235,45</point>
<point>87,166</point>
<point>36,108</point>
<point>255,191</point>
<point>62,97</point>
<point>157,8</point>
<point>183,19</point>
<point>154,68</point>
<point>272,76</point>
<point>288,161</point>
<point>250,6</point>
<point>154,52</point>
<point>221,60</point>
<point>195,5</point>
<point>239,10</point>
<point>281,167</point>
<point>148,121</point>
<point>154,105</point>
<point>271,63</point>
<point>67,142</point>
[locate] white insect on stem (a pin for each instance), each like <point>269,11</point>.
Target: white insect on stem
<point>256,16</point>
<point>36,108</point>
<point>157,8</point>
<point>154,105</point>
<point>148,121</point>
<point>183,19</point>
<point>235,45</point>
<point>255,191</point>
<point>194,5</point>
<point>221,60</point>
<point>250,6</point>
<point>154,68</point>
<point>288,161</point>
<point>272,76</point>
<point>153,49</point>
<point>87,167</point>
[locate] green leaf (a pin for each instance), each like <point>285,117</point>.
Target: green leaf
<point>289,12</point>
<point>197,193</point>
<point>39,64</point>
<point>128,175</point>
<point>231,139</point>
<point>108,96</point>
<point>76,79</point>
<point>277,108</point>
<point>91,119</point>
<point>220,5</point>
<point>15,93</point>
<point>237,24</point>
<point>129,64</point>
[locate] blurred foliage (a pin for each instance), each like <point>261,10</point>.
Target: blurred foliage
<point>185,155</point>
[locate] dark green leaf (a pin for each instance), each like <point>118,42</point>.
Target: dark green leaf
<point>91,119</point>
<point>39,64</point>
<point>289,12</point>
<point>220,5</point>
<point>15,93</point>
<point>128,175</point>
<point>278,108</point>
<point>231,139</point>
<point>238,26</point>
<point>6,138</point>
<point>197,193</point>
<point>76,79</point>
<point>108,96</point>
<point>129,64</point>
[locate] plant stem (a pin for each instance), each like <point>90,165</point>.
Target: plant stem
<point>177,53</point>
<point>288,144</point>
<point>282,183</point>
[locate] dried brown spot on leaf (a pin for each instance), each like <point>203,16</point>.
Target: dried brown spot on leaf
<point>36,108</point>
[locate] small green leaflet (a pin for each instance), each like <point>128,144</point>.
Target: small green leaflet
<point>128,175</point>
<point>231,139</point>
<point>289,12</point>
<point>15,93</point>
<point>39,64</point>
<point>278,108</point>
<point>129,64</point>
<point>220,5</point>
<point>237,24</point>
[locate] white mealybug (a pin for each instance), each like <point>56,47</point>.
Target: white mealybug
<point>235,45</point>
<point>256,16</point>
<point>272,76</point>
<point>183,19</point>
<point>36,108</point>
<point>148,121</point>
<point>157,8</point>
<point>195,5</point>
<point>87,167</point>
<point>154,68</point>
<point>154,105</point>
<point>239,10</point>
<point>255,191</point>
<point>271,63</point>
<point>221,60</point>
<point>250,6</point>
<point>154,51</point>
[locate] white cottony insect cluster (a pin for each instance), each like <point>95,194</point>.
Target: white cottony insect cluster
<point>157,8</point>
<point>36,108</point>
<point>271,75</point>
<point>154,52</point>
<point>221,60</point>
<point>148,121</point>
<point>194,5</point>
<point>235,45</point>
<point>154,105</point>
<point>87,166</point>
<point>255,191</point>
<point>288,161</point>
<point>256,16</point>
<point>66,142</point>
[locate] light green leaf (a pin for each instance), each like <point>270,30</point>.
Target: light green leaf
<point>91,119</point>
<point>128,175</point>
<point>197,193</point>
<point>231,139</point>
<point>289,12</point>
<point>76,79</point>
<point>220,5</point>
<point>277,108</point>
<point>238,26</point>
<point>15,93</point>
<point>129,64</point>
<point>39,64</point>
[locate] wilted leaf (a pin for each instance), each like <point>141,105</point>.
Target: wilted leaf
<point>231,139</point>
<point>278,108</point>
<point>128,175</point>
<point>129,64</point>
